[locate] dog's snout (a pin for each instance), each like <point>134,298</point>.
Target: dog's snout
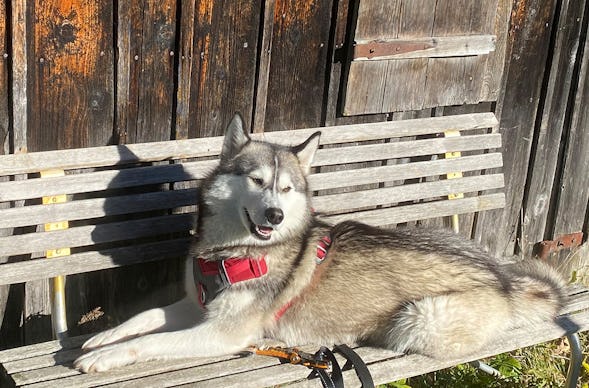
<point>274,215</point>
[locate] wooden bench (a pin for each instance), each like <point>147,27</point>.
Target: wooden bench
<point>135,203</point>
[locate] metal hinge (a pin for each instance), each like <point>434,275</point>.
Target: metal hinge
<point>565,241</point>
<point>381,48</point>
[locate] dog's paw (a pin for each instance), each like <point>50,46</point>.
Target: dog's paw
<point>106,358</point>
<point>105,338</point>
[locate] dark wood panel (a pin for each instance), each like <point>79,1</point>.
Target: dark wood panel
<point>145,70</point>
<point>531,24</point>
<point>549,134</point>
<point>573,197</point>
<point>297,78</point>
<point>223,38</point>
<point>4,86</point>
<point>4,126</point>
<point>70,67</point>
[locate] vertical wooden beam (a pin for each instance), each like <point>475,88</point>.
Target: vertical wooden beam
<point>4,68</point>
<point>185,64</point>
<point>264,67</point>
<point>548,140</point>
<point>573,198</point>
<point>145,70</point>
<point>4,126</point>
<point>19,75</point>
<point>18,142</point>
<point>531,26</point>
<point>494,68</point>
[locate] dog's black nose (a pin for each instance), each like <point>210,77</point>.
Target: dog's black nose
<point>274,215</point>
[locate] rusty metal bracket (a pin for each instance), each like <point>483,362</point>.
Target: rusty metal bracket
<point>547,247</point>
<point>381,48</point>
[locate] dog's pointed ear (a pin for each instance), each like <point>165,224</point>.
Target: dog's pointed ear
<point>235,138</point>
<point>306,151</point>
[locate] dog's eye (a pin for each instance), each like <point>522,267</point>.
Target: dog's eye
<point>257,181</point>
<point>286,189</point>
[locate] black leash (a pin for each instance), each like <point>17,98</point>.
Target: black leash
<point>335,379</point>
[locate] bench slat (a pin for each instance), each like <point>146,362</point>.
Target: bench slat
<point>421,211</point>
<point>346,202</point>
<point>40,349</point>
<point>37,269</point>
<point>104,180</point>
<point>397,172</point>
<point>192,148</point>
<point>95,234</point>
<point>384,151</point>
<point>97,207</point>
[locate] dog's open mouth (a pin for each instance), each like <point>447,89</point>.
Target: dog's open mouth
<point>260,231</point>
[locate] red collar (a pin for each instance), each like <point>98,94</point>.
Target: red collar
<point>234,269</point>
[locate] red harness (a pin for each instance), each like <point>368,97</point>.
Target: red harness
<point>234,269</point>
<point>239,269</point>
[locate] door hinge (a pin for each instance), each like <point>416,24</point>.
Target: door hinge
<point>565,241</point>
<point>381,48</point>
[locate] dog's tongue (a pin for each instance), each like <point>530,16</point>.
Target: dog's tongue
<point>264,230</point>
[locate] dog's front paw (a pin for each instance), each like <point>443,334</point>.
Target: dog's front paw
<point>105,338</point>
<point>106,358</point>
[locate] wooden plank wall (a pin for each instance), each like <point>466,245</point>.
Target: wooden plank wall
<point>87,73</point>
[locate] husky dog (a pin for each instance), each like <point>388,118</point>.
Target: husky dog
<point>265,270</point>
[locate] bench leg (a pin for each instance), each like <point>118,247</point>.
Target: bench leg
<point>483,367</point>
<point>576,360</point>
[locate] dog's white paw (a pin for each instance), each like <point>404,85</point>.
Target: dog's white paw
<point>105,338</point>
<point>106,358</point>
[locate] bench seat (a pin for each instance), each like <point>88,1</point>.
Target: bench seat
<point>49,364</point>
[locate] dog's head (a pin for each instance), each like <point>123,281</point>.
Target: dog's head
<point>259,193</point>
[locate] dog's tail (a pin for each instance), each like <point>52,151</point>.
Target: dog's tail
<point>537,291</point>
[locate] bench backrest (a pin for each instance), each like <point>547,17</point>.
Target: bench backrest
<point>132,203</point>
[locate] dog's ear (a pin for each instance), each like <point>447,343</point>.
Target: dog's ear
<point>306,151</point>
<point>235,138</point>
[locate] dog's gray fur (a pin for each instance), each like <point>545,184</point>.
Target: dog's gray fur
<point>404,289</point>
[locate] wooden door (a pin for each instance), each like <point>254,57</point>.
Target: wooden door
<point>415,54</point>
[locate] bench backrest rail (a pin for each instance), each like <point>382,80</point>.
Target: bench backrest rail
<point>134,203</point>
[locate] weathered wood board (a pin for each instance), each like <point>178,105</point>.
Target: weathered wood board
<point>536,223</point>
<point>523,88</point>
<point>218,51</point>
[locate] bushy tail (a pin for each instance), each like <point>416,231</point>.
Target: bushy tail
<point>537,291</point>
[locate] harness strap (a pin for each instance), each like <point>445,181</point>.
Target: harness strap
<point>322,247</point>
